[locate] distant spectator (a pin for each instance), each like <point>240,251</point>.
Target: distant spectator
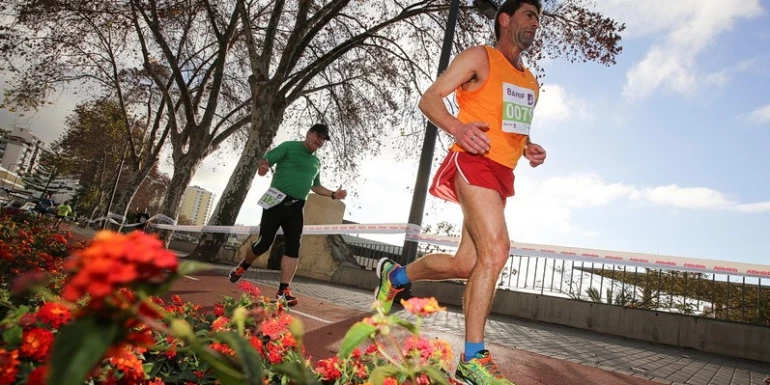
<point>142,218</point>
<point>62,212</point>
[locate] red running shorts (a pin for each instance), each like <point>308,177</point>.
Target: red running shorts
<point>477,170</point>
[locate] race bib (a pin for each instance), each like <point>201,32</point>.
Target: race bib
<point>518,108</point>
<point>272,197</point>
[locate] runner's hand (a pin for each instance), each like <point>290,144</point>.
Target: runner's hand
<point>535,154</point>
<point>471,137</point>
<point>340,194</point>
<point>263,167</point>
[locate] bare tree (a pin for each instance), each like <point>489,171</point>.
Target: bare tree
<point>167,63</point>
<point>361,66</point>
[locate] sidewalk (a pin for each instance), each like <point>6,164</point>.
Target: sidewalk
<point>661,364</point>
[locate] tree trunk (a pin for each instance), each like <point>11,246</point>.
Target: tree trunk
<point>124,197</point>
<point>265,121</point>
<point>184,170</point>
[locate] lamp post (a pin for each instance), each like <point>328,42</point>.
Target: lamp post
<point>489,9</point>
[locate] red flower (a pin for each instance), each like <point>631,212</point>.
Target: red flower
<point>9,366</point>
<point>38,376</point>
<point>257,344</point>
<point>274,353</point>
<point>36,343</point>
<point>390,381</point>
<point>219,310</point>
<point>250,289</point>
<point>329,369</point>
<point>27,320</point>
<point>371,349</point>
<point>156,381</point>
<point>418,346</point>
<point>54,314</point>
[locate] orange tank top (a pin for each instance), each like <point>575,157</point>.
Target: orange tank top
<point>505,101</point>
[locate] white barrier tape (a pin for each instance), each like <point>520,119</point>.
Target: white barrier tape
<point>112,216</point>
<point>384,228</point>
<point>607,257</point>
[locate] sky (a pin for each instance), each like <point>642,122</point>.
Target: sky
<point>665,152</point>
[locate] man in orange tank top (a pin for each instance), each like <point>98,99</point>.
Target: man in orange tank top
<point>496,95</point>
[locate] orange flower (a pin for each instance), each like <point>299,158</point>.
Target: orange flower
<point>220,324</point>
<point>442,351</point>
<point>223,348</point>
<point>36,343</point>
<point>115,260</point>
<point>422,306</point>
<point>54,314</point>
<point>390,381</point>
<point>9,366</point>
<point>156,381</point>
<point>275,327</point>
<point>128,363</point>
<point>288,340</point>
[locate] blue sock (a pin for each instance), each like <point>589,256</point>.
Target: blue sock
<point>398,276</point>
<point>471,348</point>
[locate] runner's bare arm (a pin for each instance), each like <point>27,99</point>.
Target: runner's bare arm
<point>470,68</point>
<point>323,191</point>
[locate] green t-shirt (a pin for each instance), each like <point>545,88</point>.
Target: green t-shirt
<point>297,169</point>
<point>64,210</point>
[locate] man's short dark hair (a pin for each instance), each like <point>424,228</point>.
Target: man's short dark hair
<point>320,129</point>
<point>509,7</point>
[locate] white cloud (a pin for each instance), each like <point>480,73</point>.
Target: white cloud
<point>542,207</point>
<point>719,79</point>
<point>684,197</point>
<point>556,105</point>
<point>760,115</point>
<point>687,27</point>
<point>754,207</point>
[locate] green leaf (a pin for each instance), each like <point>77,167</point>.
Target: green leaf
<point>404,323</point>
<point>79,346</point>
<point>250,360</point>
<point>224,369</point>
<point>13,336</point>
<point>435,375</point>
<point>380,373</point>
<point>357,334</point>
<point>191,267</point>
<point>295,371</point>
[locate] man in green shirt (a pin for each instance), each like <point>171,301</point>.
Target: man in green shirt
<point>298,171</point>
<point>62,212</point>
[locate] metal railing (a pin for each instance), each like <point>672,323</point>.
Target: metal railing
<point>719,296</point>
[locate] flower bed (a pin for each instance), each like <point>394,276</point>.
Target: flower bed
<point>97,317</point>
